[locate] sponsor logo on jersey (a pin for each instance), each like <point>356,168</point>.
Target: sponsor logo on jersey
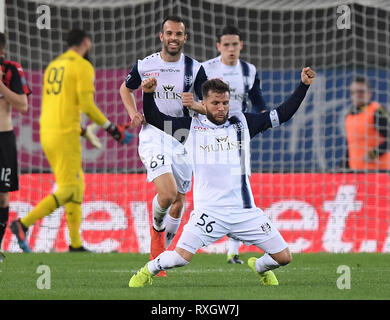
<point>151,74</point>
<point>168,93</point>
<point>197,128</point>
<point>225,145</point>
<point>169,70</point>
<point>168,88</point>
<point>233,73</point>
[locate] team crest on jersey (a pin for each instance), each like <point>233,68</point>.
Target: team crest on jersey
<point>168,88</point>
<point>238,126</point>
<point>186,184</point>
<point>221,139</point>
<point>188,80</point>
<point>266,228</point>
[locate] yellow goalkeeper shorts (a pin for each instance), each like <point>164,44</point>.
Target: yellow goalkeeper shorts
<point>63,151</point>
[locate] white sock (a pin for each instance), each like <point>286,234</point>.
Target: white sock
<point>171,226</point>
<point>158,214</point>
<point>166,260</point>
<point>233,246</point>
<point>265,263</point>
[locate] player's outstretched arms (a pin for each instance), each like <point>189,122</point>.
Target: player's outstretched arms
<point>287,109</point>
<point>307,76</point>
<point>155,117</point>
<point>261,122</point>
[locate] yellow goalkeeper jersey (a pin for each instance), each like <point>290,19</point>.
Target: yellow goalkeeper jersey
<point>65,78</point>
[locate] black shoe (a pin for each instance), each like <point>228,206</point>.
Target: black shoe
<point>81,249</point>
<point>20,231</point>
<point>233,259</point>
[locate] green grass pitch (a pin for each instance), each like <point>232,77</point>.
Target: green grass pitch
<point>208,277</point>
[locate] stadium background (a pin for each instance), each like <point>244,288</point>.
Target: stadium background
<point>297,178</point>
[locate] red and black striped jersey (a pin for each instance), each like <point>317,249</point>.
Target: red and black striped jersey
<point>13,77</point>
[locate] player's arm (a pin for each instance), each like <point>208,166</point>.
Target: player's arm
<point>255,95</point>
<point>381,122</point>
<point>126,91</point>
<point>89,108</point>
<point>85,94</point>
<point>16,96</point>
<point>158,119</point>
<point>188,97</point>
<point>260,122</point>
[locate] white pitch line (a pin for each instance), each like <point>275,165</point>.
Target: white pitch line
<point>175,270</point>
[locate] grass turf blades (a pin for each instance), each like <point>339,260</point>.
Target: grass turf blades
<point>89,276</point>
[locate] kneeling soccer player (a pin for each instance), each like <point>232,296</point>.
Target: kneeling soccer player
<point>223,199</point>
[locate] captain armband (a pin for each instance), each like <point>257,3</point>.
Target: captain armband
<point>273,115</point>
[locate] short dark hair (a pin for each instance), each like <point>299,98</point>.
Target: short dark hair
<point>229,29</point>
<point>3,40</point>
<point>215,85</point>
<point>361,79</point>
<point>174,19</point>
<point>75,37</point>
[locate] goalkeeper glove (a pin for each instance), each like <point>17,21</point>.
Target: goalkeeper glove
<point>89,134</point>
<point>119,133</point>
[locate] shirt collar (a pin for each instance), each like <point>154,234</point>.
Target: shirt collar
<point>212,125</point>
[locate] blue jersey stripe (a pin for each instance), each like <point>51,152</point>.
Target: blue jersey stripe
<point>245,193</point>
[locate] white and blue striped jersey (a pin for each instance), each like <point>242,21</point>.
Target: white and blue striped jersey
<point>220,153</point>
<point>221,158</point>
<point>173,78</point>
<point>170,81</point>
<point>242,87</point>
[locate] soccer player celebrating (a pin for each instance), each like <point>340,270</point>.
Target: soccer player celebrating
<point>68,90</point>
<point>223,200</point>
<point>244,82</point>
<point>179,80</point>
<point>13,94</point>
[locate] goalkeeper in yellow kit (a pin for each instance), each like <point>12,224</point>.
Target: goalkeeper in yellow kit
<point>68,91</point>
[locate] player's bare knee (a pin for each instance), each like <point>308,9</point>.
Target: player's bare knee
<point>177,206</point>
<point>186,255</point>
<point>283,258</point>
<point>166,196</point>
<point>286,258</point>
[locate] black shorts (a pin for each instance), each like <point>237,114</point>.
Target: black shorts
<point>9,180</point>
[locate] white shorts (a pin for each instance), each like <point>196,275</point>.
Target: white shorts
<point>251,226</point>
<point>160,154</point>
